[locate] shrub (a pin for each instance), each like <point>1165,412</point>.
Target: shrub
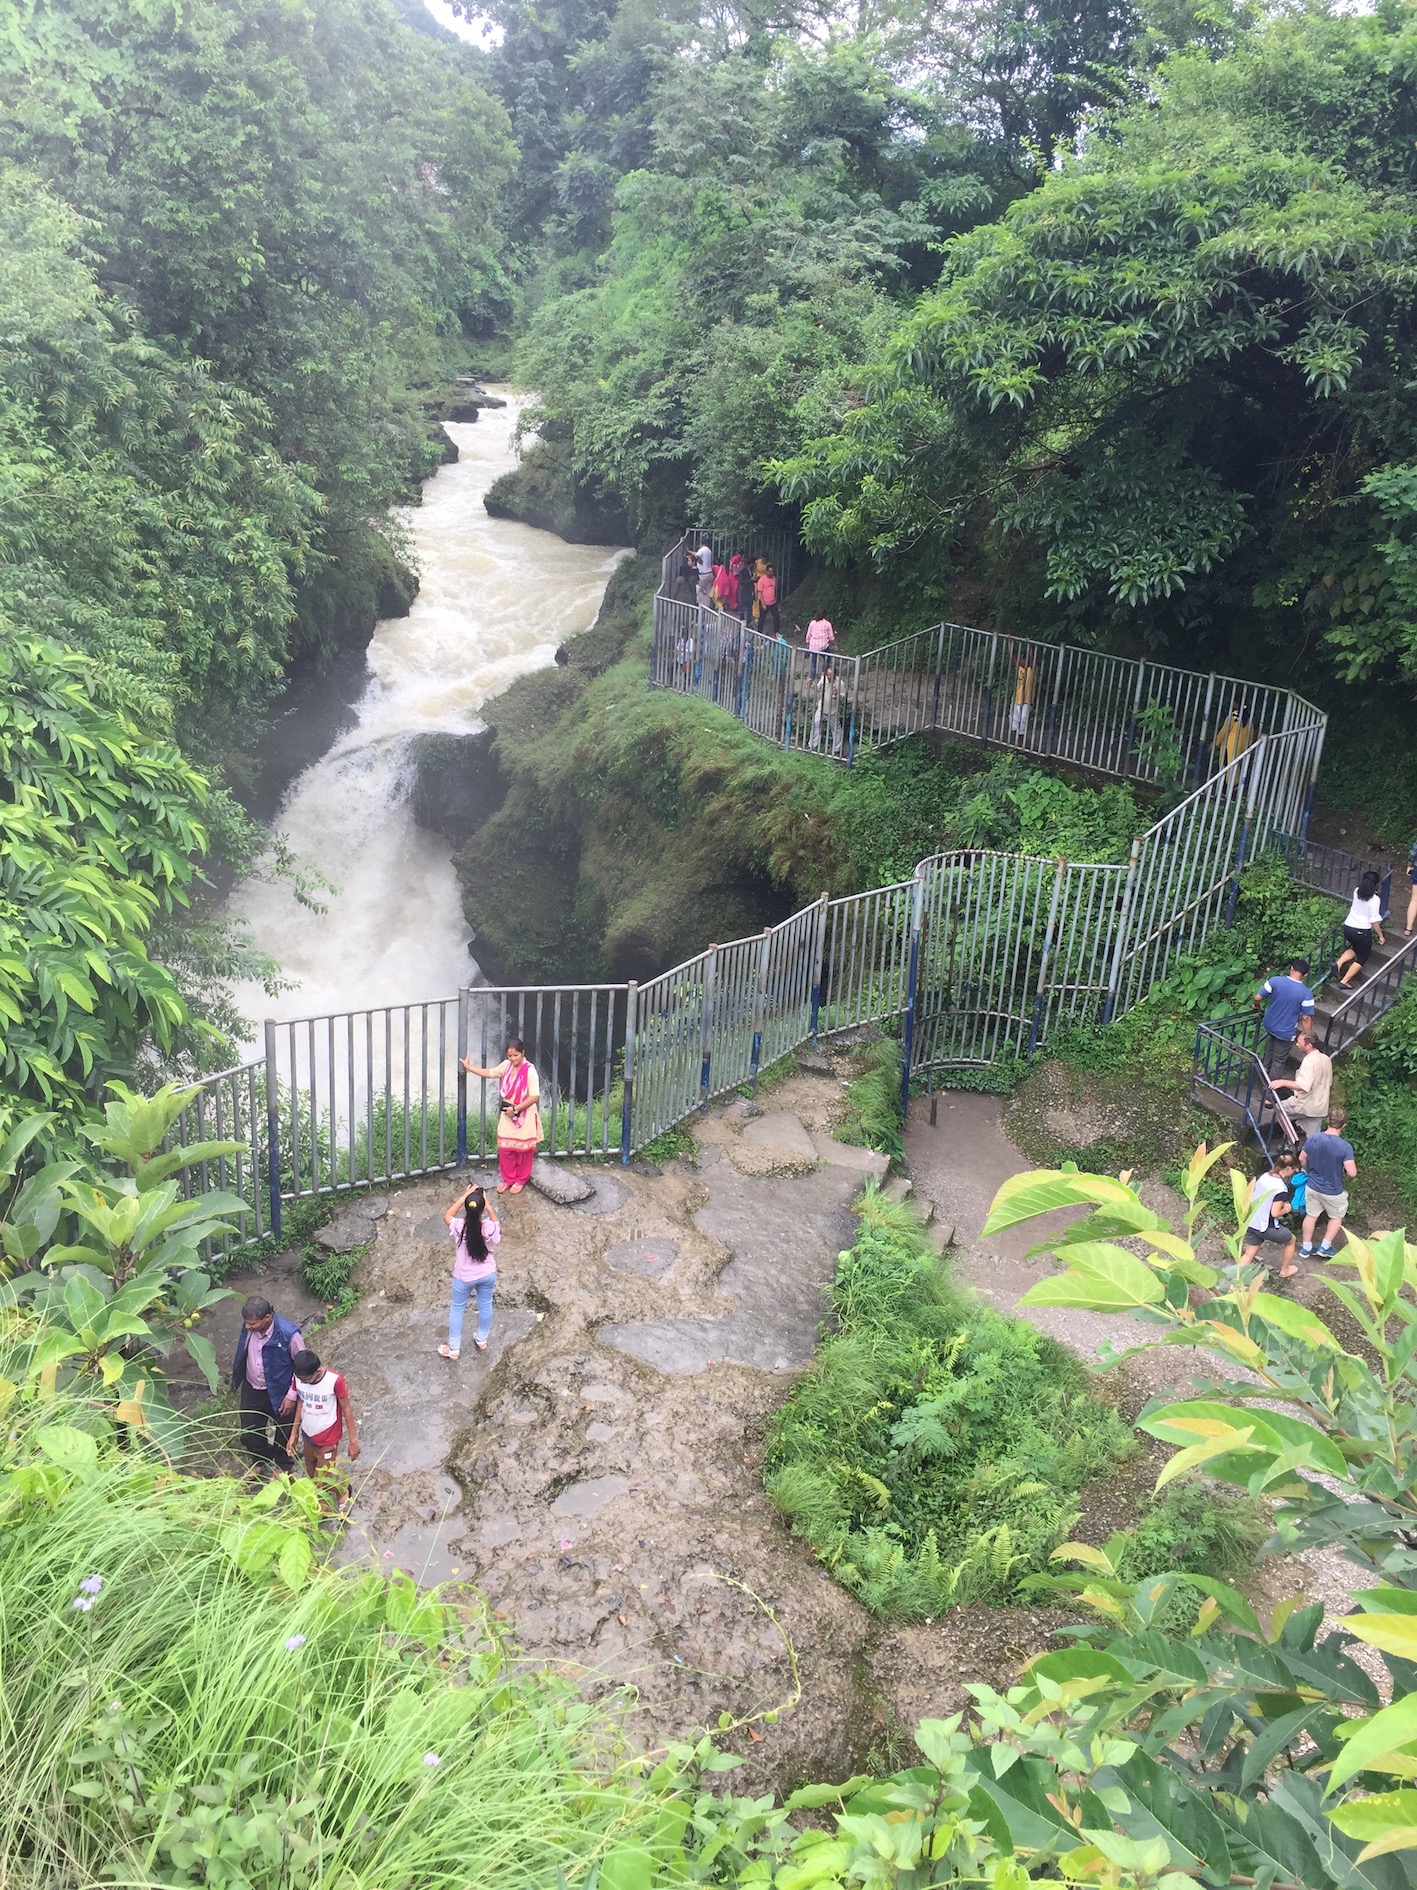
<point>933,1452</point>
<point>877,1119</point>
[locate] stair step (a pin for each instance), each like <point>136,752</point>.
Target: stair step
<point>898,1190</point>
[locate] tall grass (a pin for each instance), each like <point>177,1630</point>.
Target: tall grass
<point>933,1452</point>
<point>226,1712</point>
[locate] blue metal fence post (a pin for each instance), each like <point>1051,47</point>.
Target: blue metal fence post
<point>627,1095</point>
<point>272,1126</point>
<point>462,1075</point>
<point>917,920</point>
<point>706,1024</point>
<point>819,952</point>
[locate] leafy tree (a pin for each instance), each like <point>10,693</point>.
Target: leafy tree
<point>102,831</point>
<point>144,515</point>
<point>301,196</point>
<point>1173,376</point>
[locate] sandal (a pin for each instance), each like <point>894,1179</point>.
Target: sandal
<point>516,1187</point>
<point>481,1344</point>
<point>450,1351</point>
<point>1292,1274</point>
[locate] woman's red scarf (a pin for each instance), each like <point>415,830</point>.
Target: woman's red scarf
<point>514,1085</point>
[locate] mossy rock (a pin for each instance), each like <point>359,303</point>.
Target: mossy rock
<point>544,491</point>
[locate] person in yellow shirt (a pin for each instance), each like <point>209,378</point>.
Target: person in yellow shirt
<point>1025,684</point>
<point>1234,738</point>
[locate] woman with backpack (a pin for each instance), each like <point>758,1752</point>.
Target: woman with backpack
<point>475,1230</point>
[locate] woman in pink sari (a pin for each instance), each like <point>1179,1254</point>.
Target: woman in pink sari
<point>519,1124</point>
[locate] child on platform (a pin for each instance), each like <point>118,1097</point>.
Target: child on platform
<point>323,1412</point>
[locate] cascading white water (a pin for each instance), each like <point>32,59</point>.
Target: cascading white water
<point>495,600</point>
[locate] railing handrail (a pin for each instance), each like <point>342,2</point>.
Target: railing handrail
<point>1257,1075</point>
<point>1405,956</point>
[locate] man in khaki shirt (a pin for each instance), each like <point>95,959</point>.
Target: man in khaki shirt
<point>1312,1086</point>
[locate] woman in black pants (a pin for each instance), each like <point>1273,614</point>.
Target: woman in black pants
<point>1364,919</point>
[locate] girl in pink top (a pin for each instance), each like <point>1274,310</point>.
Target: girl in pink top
<point>820,638</point>
<point>476,1231</point>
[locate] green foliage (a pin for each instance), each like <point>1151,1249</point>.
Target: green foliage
<point>102,830</point>
<point>227,1709</point>
<point>301,197</point>
<point>103,1276</point>
<point>876,1117</point>
<point>328,1278</point>
<point>1218,283</point>
<point>1194,1529</point>
<point>933,1451</point>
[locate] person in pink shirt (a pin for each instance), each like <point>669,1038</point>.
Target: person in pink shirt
<point>820,638</point>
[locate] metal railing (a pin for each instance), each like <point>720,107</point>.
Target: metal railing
<point>1228,1071</point>
<point>1366,1002</point>
<point>976,959</point>
<point>1122,717</point>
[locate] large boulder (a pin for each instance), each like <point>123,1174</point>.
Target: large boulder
<point>458,784</point>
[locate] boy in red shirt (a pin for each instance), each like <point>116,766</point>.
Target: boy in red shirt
<point>322,1412</point>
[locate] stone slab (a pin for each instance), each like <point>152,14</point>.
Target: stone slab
<point>558,1184</point>
<point>866,1162</point>
<point>590,1496</point>
<point>784,1237</point>
<point>650,1257</point>
<point>346,1233</point>
<point>775,1128</point>
<point>607,1196</point>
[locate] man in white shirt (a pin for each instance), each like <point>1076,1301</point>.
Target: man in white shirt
<point>1311,1087</point>
<point>704,558</point>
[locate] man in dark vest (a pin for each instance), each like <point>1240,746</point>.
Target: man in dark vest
<point>261,1378</point>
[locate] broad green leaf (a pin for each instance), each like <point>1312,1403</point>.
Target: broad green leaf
<point>1039,1191</point>
<point>1101,1277</point>
<point>73,1450</point>
<point>1393,1633</point>
<point>1387,1821</point>
<point>296,1556</point>
<point>1296,1321</point>
<point>1394,1728</point>
<point>1083,1552</point>
<point>203,1352</point>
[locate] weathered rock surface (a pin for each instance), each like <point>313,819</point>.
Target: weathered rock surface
<point>458,784</point>
<point>562,1185</point>
<point>346,1233</point>
<point>864,1162</point>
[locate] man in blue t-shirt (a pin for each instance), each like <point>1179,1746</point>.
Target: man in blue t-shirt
<point>1328,1161</point>
<point>1289,999</point>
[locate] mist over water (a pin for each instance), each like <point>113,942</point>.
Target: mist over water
<point>496,598</point>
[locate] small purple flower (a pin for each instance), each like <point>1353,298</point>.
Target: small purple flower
<point>91,1585</point>
<point>82,1603</point>
<point>296,1640</point>
<point>431,1758</point>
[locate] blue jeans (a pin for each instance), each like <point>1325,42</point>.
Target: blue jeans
<point>463,1291</point>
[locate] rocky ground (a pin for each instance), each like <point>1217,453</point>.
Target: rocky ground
<point>596,1472</point>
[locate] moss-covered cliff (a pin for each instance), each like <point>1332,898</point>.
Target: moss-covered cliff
<point>608,830</point>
